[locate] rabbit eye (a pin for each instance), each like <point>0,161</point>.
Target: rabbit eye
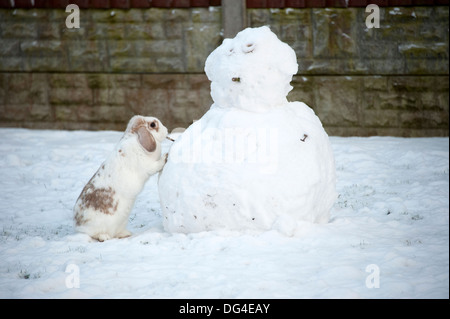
<point>153,125</point>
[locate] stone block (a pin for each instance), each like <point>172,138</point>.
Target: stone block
<point>170,64</point>
<point>399,14</point>
<point>424,13</point>
<point>443,102</point>
<point>51,31</point>
<point>89,63</point>
<point>109,114</point>
<point>41,47</point>
<point>398,101</point>
<point>17,81</point>
<point>432,32</point>
<point>303,90</point>
<point>46,64</point>
<point>83,113</point>
<point>375,83</point>
<point>258,17</point>
<point>116,15</point>
<point>69,96</point>
<point>200,41</point>
<point>412,120</point>
<point>97,81</point>
<point>337,100</point>
<point>436,119</point>
<point>294,15</point>
<point>378,49</point>
<point>149,102</point>
<point>9,47</point>
<point>87,56</point>
<point>174,29</point>
<point>126,80</point>
<point>127,16</point>
<point>87,48</point>
<point>74,34</point>
<point>121,48</point>
<point>133,64</point>
<point>145,31</point>
<point>100,31</point>
<point>441,84</point>
<point>157,48</point>
<point>111,96</point>
<point>60,15</point>
<point>67,81</point>
<point>206,15</point>
<point>27,15</point>
<point>333,35</point>
<point>18,98</point>
<point>426,66</point>
<point>419,50</point>
<point>65,113</point>
<point>186,106</point>
<point>177,14</point>
<point>3,91</point>
<point>19,30</point>
<point>38,89</point>
<point>432,101</point>
<point>411,84</point>
<point>40,112</point>
<point>153,15</point>
<point>380,118</point>
<point>15,112</point>
<point>164,81</point>
<point>441,13</point>
<point>382,67</point>
<point>198,82</point>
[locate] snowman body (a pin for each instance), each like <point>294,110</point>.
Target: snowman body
<point>254,161</point>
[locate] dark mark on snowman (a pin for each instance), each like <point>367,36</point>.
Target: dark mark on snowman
<point>304,137</point>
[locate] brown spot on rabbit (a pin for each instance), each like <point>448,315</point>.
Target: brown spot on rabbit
<point>100,199</point>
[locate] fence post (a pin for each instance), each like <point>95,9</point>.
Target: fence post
<point>233,17</point>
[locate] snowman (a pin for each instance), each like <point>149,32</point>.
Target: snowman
<point>254,161</point>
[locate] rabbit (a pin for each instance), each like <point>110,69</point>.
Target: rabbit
<point>105,203</point>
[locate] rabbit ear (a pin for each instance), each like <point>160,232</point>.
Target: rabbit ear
<point>146,139</point>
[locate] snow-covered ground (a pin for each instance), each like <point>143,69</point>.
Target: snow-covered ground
<point>388,236</point>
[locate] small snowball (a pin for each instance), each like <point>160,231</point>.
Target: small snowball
<point>263,64</point>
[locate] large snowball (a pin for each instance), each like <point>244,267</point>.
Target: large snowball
<point>254,161</point>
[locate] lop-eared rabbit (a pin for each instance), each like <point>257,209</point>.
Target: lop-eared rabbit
<point>105,203</point>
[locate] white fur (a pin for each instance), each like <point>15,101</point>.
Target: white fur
<point>104,205</point>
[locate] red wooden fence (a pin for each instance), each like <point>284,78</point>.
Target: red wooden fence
<point>126,4</point>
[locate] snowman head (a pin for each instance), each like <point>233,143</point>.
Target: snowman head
<point>251,71</point>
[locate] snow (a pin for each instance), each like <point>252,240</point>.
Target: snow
<point>390,222</point>
<point>254,160</point>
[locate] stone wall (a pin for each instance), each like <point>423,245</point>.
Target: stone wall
<point>94,101</point>
<point>387,81</point>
